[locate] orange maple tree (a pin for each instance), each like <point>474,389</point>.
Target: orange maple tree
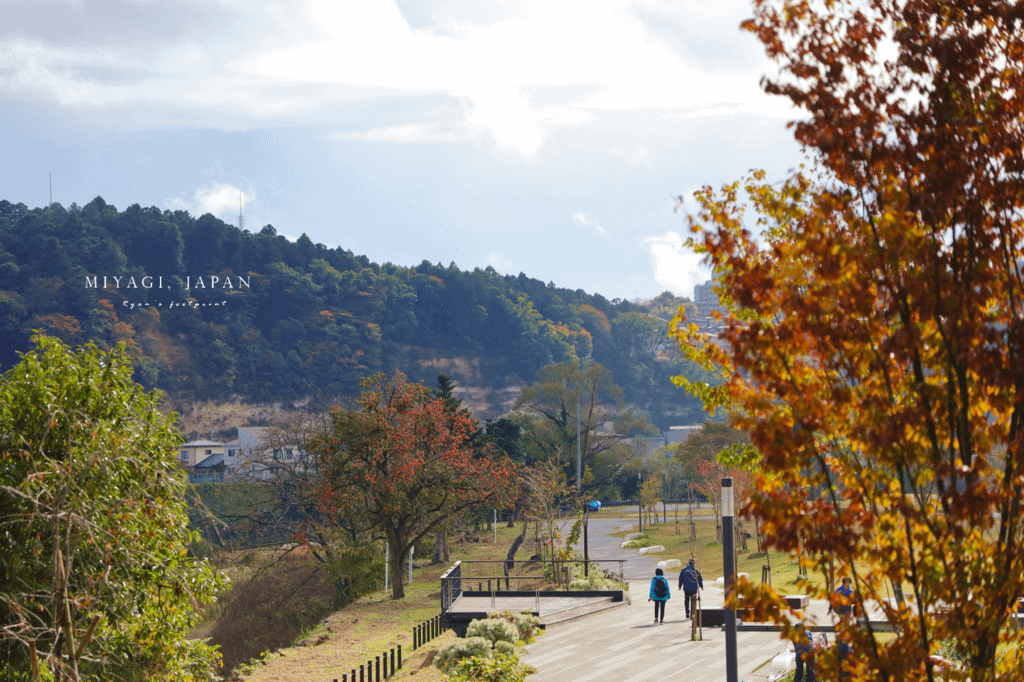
<point>401,465</point>
<point>873,343</point>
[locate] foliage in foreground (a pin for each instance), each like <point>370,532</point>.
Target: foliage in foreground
<point>497,668</point>
<point>95,581</point>
<point>489,650</point>
<point>874,344</point>
<point>527,625</point>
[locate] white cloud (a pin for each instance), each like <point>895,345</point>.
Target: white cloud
<point>506,115</point>
<point>219,198</point>
<point>676,267</point>
<point>327,54</point>
<point>499,262</point>
<point>406,133</point>
<point>583,219</point>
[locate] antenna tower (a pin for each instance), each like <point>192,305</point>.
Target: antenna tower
<point>241,220</point>
<point>51,191</point>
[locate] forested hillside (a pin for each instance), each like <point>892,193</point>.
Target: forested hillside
<point>211,311</point>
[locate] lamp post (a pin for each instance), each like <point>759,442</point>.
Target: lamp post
<point>639,501</point>
<point>579,455</point>
<point>729,565</point>
<point>579,491</point>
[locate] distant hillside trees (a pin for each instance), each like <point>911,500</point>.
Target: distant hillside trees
<point>309,321</point>
<point>609,431</point>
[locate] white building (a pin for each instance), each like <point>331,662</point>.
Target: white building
<point>679,434</point>
<point>706,300</point>
<point>258,451</point>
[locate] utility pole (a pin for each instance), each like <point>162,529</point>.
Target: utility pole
<point>729,564</point>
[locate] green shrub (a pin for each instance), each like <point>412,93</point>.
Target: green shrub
<point>491,644</point>
<point>470,647</point>
<point>494,630</point>
<point>499,668</point>
<point>527,624</point>
<point>599,579</point>
<point>506,649</point>
<point>644,540</point>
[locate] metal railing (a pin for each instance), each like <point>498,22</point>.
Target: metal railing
<point>499,577</point>
<point>451,586</point>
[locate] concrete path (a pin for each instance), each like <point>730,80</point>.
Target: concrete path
<point>602,546</point>
<point>625,645</point>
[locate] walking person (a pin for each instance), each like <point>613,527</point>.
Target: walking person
<point>804,647</point>
<point>659,595</point>
<point>843,601</point>
<point>690,580</point>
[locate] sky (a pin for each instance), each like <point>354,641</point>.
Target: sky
<point>546,137</point>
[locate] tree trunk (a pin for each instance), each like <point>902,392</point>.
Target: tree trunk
<point>511,558</point>
<point>442,553</point>
<point>513,515</point>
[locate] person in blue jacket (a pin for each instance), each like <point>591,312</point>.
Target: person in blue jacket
<point>804,648</point>
<point>690,580</point>
<point>659,595</point>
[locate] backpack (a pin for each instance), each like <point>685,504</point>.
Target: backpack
<point>660,588</point>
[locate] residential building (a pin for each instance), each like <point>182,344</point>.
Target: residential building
<point>258,452</point>
<point>192,453</point>
<point>202,459</point>
<point>678,434</point>
<point>210,470</point>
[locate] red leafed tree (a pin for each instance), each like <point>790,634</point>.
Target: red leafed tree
<point>874,337</point>
<point>708,480</point>
<point>401,465</point>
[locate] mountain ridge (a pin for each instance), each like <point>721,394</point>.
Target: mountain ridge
<point>301,322</point>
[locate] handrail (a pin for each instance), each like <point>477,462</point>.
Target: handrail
<point>460,576</point>
<point>451,586</point>
<point>465,567</point>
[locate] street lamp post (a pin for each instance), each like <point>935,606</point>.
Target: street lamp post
<point>729,562</point>
<point>579,492</point>
<point>639,501</point>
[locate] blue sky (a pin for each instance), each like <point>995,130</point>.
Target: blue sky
<point>545,137</point>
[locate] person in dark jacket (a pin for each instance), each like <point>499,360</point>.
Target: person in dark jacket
<point>690,580</point>
<point>659,595</point>
<point>804,647</point>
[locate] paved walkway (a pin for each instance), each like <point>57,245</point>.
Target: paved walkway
<point>624,645</point>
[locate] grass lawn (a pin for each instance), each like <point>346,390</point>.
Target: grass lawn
<point>376,623</point>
